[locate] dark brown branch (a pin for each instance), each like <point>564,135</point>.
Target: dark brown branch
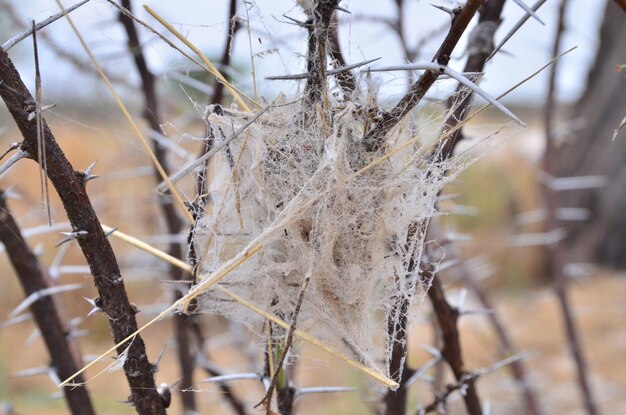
<point>480,47</point>
<point>555,250</point>
<point>233,27</point>
<point>447,317</point>
<point>172,220</point>
<point>70,186</point>
<point>507,347</point>
<point>621,4</point>
<point>345,79</point>
<point>442,398</point>
<point>317,25</point>
<point>44,310</point>
<point>462,17</point>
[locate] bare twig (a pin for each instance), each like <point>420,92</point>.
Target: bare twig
<point>45,313</point>
<point>172,220</point>
<point>462,17</point>
<point>555,250</point>
<point>507,347</point>
<point>96,248</point>
<point>480,47</point>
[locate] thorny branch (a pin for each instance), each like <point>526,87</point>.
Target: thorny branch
<point>70,186</point>
<point>506,343</point>
<point>395,401</point>
<point>317,25</point>
<point>555,250</point>
<point>479,48</point>
<point>374,139</point>
<point>172,220</point>
<point>447,317</point>
<point>44,310</point>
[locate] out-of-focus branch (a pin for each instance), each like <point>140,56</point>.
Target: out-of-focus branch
<point>172,220</point>
<point>44,310</point>
<point>374,139</point>
<point>621,4</point>
<point>70,186</point>
<point>236,405</point>
<point>555,250</point>
<point>507,347</point>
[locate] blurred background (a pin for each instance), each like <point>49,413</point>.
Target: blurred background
<point>495,217</point>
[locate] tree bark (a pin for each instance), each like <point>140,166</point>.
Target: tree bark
<point>591,151</point>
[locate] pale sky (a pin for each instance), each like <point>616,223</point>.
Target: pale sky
<point>279,45</point>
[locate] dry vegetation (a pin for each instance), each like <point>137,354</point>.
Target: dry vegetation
<point>299,168</point>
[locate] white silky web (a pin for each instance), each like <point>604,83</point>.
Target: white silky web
<point>326,208</point>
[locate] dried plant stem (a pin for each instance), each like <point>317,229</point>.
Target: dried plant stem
<point>172,220</point>
<point>555,250</point>
<point>238,95</point>
<point>44,310</point>
<point>70,187</point>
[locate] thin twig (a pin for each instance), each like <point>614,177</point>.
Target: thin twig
<point>346,79</point>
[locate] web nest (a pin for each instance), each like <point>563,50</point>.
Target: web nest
<point>322,207</point>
